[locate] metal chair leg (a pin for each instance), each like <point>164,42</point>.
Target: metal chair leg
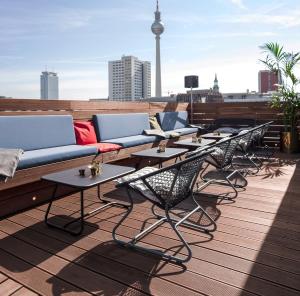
<point>132,243</point>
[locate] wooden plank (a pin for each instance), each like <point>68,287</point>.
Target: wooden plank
<point>96,236</point>
<point>8,287</point>
<point>85,279</point>
<point>30,276</point>
<point>24,292</point>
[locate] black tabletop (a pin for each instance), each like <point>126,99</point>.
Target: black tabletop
<point>153,152</point>
<point>190,143</point>
<point>71,177</point>
<point>217,137</point>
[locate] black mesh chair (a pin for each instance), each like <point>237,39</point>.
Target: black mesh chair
<point>243,156</point>
<point>221,158</point>
<point>166,188</point>
<point>258,149</point>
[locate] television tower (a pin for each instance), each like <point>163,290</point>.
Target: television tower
<point>157,29</point>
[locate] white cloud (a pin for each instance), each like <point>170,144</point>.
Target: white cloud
<point>238,3</point>
<point>285,20</point>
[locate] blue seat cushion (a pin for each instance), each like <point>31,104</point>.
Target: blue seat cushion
<point>113,126</point>
<point>50,155</point>
<point>172,120</point>
<point>36,132</point>
<point>133,140</point>
<point>183,131</point>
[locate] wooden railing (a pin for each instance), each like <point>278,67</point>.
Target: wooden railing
<point>82,109</point>
<point>260,111</point>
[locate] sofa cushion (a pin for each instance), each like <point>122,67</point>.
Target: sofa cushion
<point>36,132</point>
<point>133,140</point>
<point>112,126</point>
<point>172,120</point>
<point>50,155</point>
<point>106,147</point>
<point>85,132</point>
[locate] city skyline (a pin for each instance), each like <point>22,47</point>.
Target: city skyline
<point>77,40</point>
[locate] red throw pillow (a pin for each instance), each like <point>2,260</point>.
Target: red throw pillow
<point>85,132</point>
<point>106,147</point>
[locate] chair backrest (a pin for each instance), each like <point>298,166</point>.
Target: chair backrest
<point>172,120</point>
<point>112,126</point>
<point>228,146</point>
<point>173,184</point>
<point>36,132</point>
<point>259,132</point>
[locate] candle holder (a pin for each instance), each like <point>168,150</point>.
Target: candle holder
<point>95,168</point>
<point>81,172</point>
<point>161,148</point>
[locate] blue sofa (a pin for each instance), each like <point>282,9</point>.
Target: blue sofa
<point>44,139</point>
<point>123,129</point>
<point>175,122</point>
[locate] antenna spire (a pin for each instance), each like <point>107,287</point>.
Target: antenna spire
<point>157,6</point>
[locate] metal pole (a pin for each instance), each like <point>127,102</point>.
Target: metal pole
<point>192,110</point>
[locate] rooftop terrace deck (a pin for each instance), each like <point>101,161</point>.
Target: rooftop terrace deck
<point>255,251</point>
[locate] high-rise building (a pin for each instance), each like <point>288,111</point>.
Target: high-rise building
<point>49,86</point>
<point>157,29</point>
<point>266,81</point>
<point>129,79</point>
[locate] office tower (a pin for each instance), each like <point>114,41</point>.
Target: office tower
<point>49,86</point>
<point>129,79</point>
<point>157,29</point>
<point>266,81</point>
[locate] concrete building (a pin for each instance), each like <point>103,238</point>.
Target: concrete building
<point>157,29</point>
<point>266,81</point>
<point>129,79</point>
<point>246,97</point>
<point>49,86</point>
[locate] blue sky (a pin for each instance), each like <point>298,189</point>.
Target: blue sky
<point>76,38</point>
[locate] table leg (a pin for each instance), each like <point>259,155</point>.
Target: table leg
<point>107,203</point>
<point>64,227</point>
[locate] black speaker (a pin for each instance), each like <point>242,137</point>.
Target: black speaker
<point>191,81</point>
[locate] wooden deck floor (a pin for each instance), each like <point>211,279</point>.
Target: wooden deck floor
<point>255,251</point>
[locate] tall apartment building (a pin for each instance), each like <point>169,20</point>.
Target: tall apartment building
<point>49,86</point>
<point>266,81</point>
<point>129,79</point>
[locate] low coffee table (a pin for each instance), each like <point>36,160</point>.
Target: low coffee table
<point>72,179</point>
<point>191,144</point>
<point>215,136</point>
<point>161,156</point>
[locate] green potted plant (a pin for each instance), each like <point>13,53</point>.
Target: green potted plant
<point>286,99</point>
